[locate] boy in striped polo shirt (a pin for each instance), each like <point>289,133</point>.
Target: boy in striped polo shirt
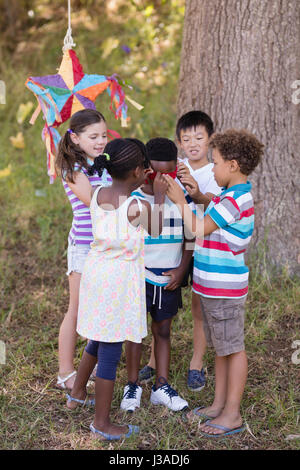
<point>166,261</point>
<point>220,275</point>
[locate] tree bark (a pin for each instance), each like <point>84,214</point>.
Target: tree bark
<point>240,59</point>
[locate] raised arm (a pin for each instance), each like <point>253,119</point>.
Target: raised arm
<point>82,188</point>
<point>193,190</point>
<point>191,185</point>
<point>198,227</point>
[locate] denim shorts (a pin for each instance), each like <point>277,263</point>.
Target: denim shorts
<point>76,257</point>
<point>223,323</point>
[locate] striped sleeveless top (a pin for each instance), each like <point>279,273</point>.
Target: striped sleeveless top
<point>81,229</point>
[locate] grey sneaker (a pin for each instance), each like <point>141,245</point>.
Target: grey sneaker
<point>196,380</point>
<point>146,374</point>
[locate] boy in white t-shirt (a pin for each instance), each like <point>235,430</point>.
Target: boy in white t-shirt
<point>193,131</point>
<point>195,173</point>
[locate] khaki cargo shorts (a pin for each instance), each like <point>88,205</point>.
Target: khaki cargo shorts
<point>223,322</point>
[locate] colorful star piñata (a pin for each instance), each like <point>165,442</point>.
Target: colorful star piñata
<point>70,90</point>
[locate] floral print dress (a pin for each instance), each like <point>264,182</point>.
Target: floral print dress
<point>112,304</point>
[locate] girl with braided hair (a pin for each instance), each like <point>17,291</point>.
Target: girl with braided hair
<point>112,307</point>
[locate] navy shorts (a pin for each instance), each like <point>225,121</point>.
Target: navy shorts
<point>161,303</point>
<point>188,274</point>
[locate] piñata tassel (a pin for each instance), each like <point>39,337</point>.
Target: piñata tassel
<point>51,137</point>
<point>138,106</point>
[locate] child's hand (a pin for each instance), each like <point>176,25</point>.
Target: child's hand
<point>191,186</point>
<point>176,278</point>
<point>160,185</point>
<point>182,170</point>
<point>147,171</point>
<point>174,192</point>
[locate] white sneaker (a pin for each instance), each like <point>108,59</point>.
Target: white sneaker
<point>131,397</point>
<point>167,396</point>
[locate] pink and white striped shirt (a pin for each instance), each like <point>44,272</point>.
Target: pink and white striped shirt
<point>81,229</point>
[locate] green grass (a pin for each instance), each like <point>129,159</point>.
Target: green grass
<point>35,218</point>
<point>33,412</point>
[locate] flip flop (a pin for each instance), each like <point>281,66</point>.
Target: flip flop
<point>86,402</point>
<point>61,382</point>
<point>227,431</point>
<point>198,413</point>
<point>112,437</point>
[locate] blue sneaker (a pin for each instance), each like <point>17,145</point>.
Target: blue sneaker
<point>196,380</point>
<point>146,374</point>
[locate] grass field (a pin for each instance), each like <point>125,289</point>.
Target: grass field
<point>34,298</point>
<point>34,221</point>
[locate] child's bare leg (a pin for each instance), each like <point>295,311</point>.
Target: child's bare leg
<point>85,368</point>
<point>221,377</point>
<point>230,417</point>
<point>162,348</point>
<point>104,394</point>
<point>67,333</point>
<point>237,377</point>
<point>151,362</point>
<point>199,340</point>
<point>133,359</point>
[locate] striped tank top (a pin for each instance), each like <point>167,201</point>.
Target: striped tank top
<point>81,229</point>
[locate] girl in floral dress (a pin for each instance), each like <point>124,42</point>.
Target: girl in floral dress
<point>112,305</point>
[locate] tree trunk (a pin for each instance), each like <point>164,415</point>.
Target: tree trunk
<point>240,64</point>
